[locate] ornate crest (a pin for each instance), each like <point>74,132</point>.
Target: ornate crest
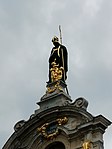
<point>56,72</point>
<point>50,130</point>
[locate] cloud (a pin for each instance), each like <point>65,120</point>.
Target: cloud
<point>91,7</point>
<point>27,28</point>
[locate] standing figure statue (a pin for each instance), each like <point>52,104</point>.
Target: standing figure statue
<point>58,62</point>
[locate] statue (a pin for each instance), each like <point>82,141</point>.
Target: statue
<point>58,62</point>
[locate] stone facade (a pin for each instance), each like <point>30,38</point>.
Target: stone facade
<point>59,124</point>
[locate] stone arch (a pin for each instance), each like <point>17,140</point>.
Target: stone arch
<point>56,145</point>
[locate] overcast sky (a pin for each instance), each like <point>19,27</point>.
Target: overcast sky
<point>26,30</point>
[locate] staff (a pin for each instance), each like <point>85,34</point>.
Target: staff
<point>62,54</point>
<point>60,34</point>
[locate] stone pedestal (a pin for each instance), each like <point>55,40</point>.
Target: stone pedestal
<point>56,95</point>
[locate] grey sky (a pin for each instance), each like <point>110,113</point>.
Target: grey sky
<point>26,30</point>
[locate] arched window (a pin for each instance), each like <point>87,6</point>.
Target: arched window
<point>56,145</point>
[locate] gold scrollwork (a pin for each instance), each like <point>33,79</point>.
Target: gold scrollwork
<point>87,145</point>
<point>50,136</point>
<point>56,72</point>
<point>43,131</point>
<point>62,121</point>
<point>56,86</point>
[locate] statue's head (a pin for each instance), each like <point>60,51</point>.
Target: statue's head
<point>55,41</point>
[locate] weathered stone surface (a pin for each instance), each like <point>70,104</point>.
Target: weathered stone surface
<point>81,126</point>
<point>59,120</point>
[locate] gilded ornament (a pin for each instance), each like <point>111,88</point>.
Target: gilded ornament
<point>44,129</point>
<point>56,72</point>
<point>56,86</point>
<point>62,121</point>
<point>87,145</point>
